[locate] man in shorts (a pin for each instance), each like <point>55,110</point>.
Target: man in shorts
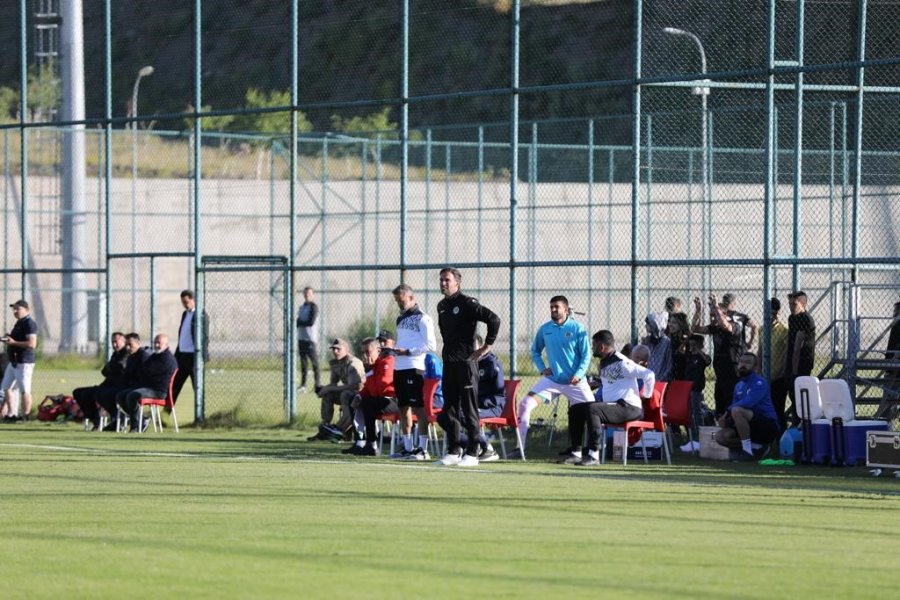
<point>415,338</point>
<point>20,345</point>
<point>565,343</point>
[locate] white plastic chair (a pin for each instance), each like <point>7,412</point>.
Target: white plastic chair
<point>836,399</point>
<point>808,386</point>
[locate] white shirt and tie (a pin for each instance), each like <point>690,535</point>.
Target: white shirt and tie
<point>186,333</point>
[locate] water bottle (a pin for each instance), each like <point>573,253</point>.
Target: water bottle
<point>786,445</point>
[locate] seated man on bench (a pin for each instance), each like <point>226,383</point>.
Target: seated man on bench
<point>750,423</point>
<point>376,396</point>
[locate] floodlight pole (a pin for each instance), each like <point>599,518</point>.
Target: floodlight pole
<point>143,72</point>
<point>703,92</point>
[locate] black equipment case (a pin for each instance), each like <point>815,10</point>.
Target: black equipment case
<point>883,449</point>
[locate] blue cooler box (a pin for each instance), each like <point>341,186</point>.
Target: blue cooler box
<point>855,440</point>
<point>821,441</point>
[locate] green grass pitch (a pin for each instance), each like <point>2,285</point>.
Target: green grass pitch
<point>263,514</point>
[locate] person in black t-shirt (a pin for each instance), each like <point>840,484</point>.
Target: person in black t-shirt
<point>801,344</point>
<point>678,329</point>
<point>20,346</point>
<point>695,363</point>
<point>458,316</point>
<point>728,346</point>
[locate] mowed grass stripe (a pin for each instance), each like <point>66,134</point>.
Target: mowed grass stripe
<point>301,522</point>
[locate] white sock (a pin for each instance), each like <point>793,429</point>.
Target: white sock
<point>407,443</point>
<point>423,441</point>
<point>525,407</point>
<point>361,443</point>
<point>747,446</point>
<point>756,446</point>
<point>595,454</point>
<point>359,422</point>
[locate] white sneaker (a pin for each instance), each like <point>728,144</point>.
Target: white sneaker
<point>418,454</point>
<point>449,460</point>
<point>691,446</point>
<point>468,461</point>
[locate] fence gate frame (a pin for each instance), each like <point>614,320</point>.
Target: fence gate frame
<point>253,264</point>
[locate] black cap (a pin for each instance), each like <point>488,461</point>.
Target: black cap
<point>19,303</point>
<point>339,343</point>
<point>384,334</point>
<point>797,294</point>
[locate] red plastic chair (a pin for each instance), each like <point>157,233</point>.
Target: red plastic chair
<point>509,416</point>
<point>156,403</point>
<point>429,388</point>
<point>678,407</point>
<point>652,421</point>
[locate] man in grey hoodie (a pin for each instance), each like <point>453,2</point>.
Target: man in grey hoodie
<point>660,346</point>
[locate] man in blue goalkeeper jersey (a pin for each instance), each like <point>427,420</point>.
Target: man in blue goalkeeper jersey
<point>565,343</point>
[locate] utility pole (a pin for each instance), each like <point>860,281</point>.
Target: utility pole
<point>73,330</point>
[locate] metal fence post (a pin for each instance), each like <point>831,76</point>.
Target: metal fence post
<point>798,143</point>
<point>107,172</point>
<point>290,379</point>
<point>404,133</point>
<point>447,168</point>
<point>649,241</point>
<point>273,275</point>
<point>23,141</point>
<point>771,160</point>
<point>590,221</point>
<point>858,142</point>
<point>198,249</point>
<point>513,178</point>
<point>152,296</point>
<point>480,194</point>
<point>636,160</point>
<point>6,177</point>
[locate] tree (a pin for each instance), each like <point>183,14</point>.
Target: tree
<point>270,122</point>
<point>43,92</point>
<point>9,104</point>
<point>218,123</point>
<point>372,123</point>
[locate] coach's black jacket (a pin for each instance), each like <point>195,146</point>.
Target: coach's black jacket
<point>458,316</point>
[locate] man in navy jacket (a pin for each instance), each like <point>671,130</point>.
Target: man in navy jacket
<point>156,373</point>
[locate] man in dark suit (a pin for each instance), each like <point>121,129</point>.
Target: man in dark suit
<point>156,372</point>
<point>136,355</point>
<point>186,351</point>
<point>113,376</point>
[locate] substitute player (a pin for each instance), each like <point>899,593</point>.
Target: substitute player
<point>565,342</point>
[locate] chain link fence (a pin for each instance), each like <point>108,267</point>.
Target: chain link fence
<point>654,157</point>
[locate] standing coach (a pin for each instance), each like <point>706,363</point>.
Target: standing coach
<point>187,349</point>
<point>458,316</point>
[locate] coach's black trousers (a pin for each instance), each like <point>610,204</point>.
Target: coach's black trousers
<point>185,362</point>
<point>460,385</point>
